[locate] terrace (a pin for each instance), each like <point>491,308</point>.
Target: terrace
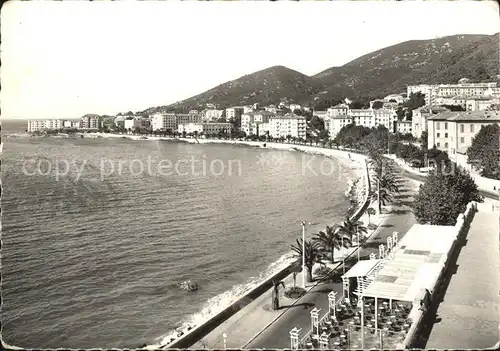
<point>382,297</point>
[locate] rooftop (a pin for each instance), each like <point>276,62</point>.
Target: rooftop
<point>479,116</point>
<point>289,116</point>
<point>416,264</point>
<point>361,268</point>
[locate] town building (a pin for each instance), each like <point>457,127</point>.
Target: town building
<point>44,124</point>
<point>289,124</point>
<point>420,116</point>
<point>164,121</point>
<point>294,107</point>
<point>234,113</point>
<point>454,131</point>
<point>403,127</point>
<point>463,88</point>
<point>72,124</point>
<point>191,117</point>
<point>335,124</point>
<point>271,108</point>
<point>119,121</point>
<point>136,122</point>
<point>247,108</point>
<point>338,110</point>
<point>481,104</point>
<point>385,117</point>
<point>91,122</point>
<point>250,121</point>
<point>213,114</point>
<point>398,98</point>
<point>205,128</point>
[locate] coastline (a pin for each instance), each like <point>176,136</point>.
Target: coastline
<point>357,188</point>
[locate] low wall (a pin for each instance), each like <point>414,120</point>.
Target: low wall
<point>419,317</point>
<point>198,332</point>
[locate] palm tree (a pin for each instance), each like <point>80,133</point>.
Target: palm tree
<point>382,196</point>
<point>331,239</point>
<point>275,293</point>
<point>312,255</point>
<point>351,228</point>
<point>370,211</point>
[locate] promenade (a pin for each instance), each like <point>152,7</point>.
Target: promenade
<point>399,218</point>
<point>468,317</point>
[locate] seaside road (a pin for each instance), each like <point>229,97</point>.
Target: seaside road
<point>400,218</point>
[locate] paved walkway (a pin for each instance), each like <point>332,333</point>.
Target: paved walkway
<point>468,318</point>
<point>277,336</point>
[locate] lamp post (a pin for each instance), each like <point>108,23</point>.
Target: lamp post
<point>304,253</point>
<point>343,255</point>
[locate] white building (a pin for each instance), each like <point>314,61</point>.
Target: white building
<point>91,122</point>
<point>72,123</point>
<point>164,121</point>
<point>136,122</point>
<point>398,98</point>
<point>119,121</point>
<point>420,116</point>
<point>294,107</point>
<point>205,128</point>
<point>185,118</point>
<point>453,131</point>
<point>385,117</point>
<point>44,124</point>
<point>271,108</point>
<point>289,124</point>
<point>338,110</point>
<point>403,127</point>
<point>250,121</point>
<point>335,124</point>
<point>234,113</point>
<point>213,114</point>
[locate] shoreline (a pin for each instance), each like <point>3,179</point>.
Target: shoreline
<point>355,193</point>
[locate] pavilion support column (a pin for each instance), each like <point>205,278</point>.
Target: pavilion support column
<point>362,322</point>
<point>376,314</point>
<point>390,305</point>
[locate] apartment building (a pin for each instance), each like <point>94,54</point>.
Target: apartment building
<point>44,124</point>
<point>234,113</point>
<point>164,121</point>
<point>289,124</point>
<point>250,121</point>
<point>136,122</point>
<point>363,117</point>
<point>385,117</point>
<point>205,128</point>
<point>72,123</point>
<point>403,127</point>
<point>213,114</point>
<point>453,131</point>
<point>186,118</point>
<point>338,110</point>
<point>91,122</point>
<point>294,107</point>
<point>420,116</point>
<point>481,104</point>
<point>335,124</point>
<point>462,88</point>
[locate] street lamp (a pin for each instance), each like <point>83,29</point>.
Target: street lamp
<point>359,246</point>
<point>304,223</point>
<point>343,254</point>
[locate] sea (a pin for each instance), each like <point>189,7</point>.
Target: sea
<point>97,234</point>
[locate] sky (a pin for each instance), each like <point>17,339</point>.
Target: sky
<point>66,59</point>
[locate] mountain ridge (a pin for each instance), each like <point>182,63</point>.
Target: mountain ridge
<point>373,75</point>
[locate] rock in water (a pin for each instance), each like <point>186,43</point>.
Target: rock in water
<point>188,285</point>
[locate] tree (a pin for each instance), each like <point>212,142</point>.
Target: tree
<point>331,239</point>
<point>370,212</point>
<point>351,228</point>
<point>424,137</point>
<point>415,101</point>
<point>312,255</point>
<point>444,195</point>
<point>484,151</point>
<point>377,105</point>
